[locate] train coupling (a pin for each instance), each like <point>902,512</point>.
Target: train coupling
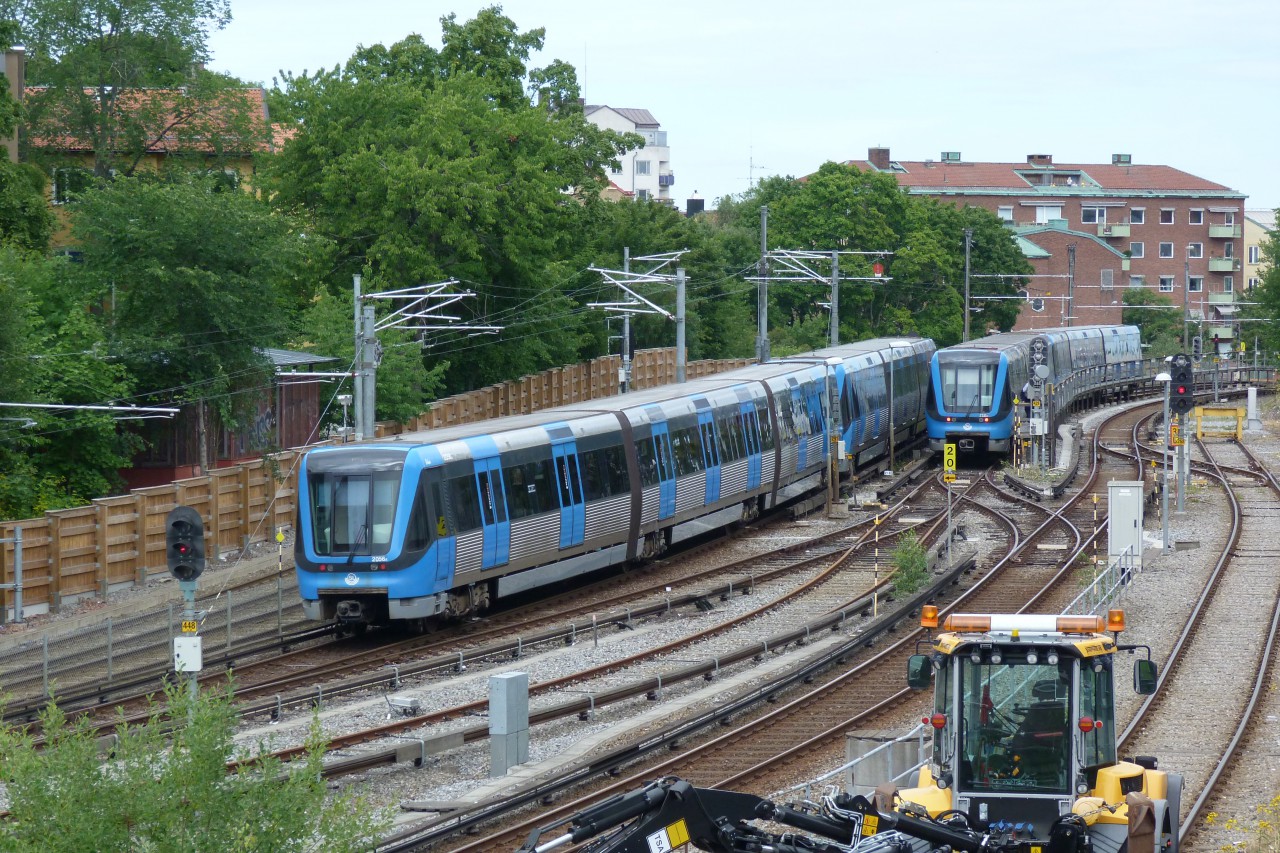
<point>350,611</point>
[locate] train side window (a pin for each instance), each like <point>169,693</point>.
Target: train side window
<point>686,446</point>
<point>529,488</point>
<point>765,424</point>
<point>595,478</point>
<point>648,462</point>
<point>732,440</point>
<point>615,465</point>
<point>443,523</point>
<point>465,503</point>
<point>418,534</point>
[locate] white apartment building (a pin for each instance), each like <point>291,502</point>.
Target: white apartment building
<point>646,172</point>
<point>1258,225</point>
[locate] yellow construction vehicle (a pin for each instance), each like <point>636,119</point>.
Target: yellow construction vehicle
<point>1024,731</point>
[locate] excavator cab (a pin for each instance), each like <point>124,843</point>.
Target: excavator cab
<point>1023,720</point>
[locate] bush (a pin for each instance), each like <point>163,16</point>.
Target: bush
<point>911,564</point>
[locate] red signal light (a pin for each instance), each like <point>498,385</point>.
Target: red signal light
<point>184,549</point>
<point>1182,389</point>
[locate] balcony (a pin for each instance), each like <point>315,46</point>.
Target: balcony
<point>667,180</point>
<point>1224,264</point>
<point>1224,232</point>
<point>1124,265</point>
<point>1114,230</point>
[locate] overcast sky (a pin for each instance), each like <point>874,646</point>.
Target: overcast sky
<point>750,88</point>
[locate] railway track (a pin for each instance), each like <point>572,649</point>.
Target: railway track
<point>1028,575</point>
<point>1221,666</point>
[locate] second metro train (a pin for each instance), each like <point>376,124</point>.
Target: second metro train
<point>440,523</point>
<point>972,386</point>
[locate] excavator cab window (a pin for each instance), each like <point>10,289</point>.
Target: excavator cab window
<point>1015,731</point>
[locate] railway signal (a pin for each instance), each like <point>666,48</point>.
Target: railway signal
<point>1182,388</point>
<point>184,543</point>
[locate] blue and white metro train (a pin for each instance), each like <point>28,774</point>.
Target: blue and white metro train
<point>442,522</point>
<point>972,386</point>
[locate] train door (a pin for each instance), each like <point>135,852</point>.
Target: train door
<point>493,512</point>
<point>569,487</point>
<point>751,434</point>
<point>666,470</point>
<point>710,454</point>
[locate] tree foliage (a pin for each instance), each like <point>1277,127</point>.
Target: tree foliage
<point>424,164</point>
<point>1159,319</point>
<point>192,284</point>
<point>166,787</point>
<point>122,76</point>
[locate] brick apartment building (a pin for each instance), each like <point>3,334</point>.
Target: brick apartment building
<point>1129,225</point>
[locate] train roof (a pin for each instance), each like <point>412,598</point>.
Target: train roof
<point>606,406</point>
<point>1004,340</point>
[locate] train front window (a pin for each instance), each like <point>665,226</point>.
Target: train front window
<point>968,383</point>
<point>353,514</point>
<point>1015,733</point>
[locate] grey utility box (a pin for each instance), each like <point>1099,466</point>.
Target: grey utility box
<point>1124,531</point>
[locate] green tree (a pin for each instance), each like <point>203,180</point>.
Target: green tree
<point>1159,319</point>
<point>121,76</point>
<point>423,165</point>
<point>192,284</point>
<point>166,787</point>
<point>53,458</point>
<point>842,208</point>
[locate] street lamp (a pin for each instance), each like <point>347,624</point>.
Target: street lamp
<point>344,400</point>
<point>1164,448</point>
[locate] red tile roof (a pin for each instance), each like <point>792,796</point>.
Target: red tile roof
<point>253,101</point>
<point>963,176</point>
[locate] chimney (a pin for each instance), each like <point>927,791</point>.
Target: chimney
<point>694,204</point>
<point>1040,159</point>
<point>15,68</point>
<point>879,157</point>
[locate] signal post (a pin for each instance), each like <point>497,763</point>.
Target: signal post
<point>949,477</point>
<point>184,552</point>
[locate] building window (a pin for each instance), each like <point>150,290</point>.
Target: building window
<point>1195,250</point>
<point>1166,250</point>
<point>1228,249</point>
<point>1253,254</point>
<point>1005,213</point>
<point>1166,284</point>
<point>1093,215</point>
<point>1228,284</point>
<point>69,182</point>
<point>642,195</point>
<point>1137,281</point>
<point>1253,282</point>
<point>1137,250</point>
<point>1046,212</point>
<point>1166,216</point>
<point>1229,218</point>
<point>1196,216</point>
<point>642,167</point>
<point>1195,284</point>
<point>1107,279</point>
<point>1138,215</point>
